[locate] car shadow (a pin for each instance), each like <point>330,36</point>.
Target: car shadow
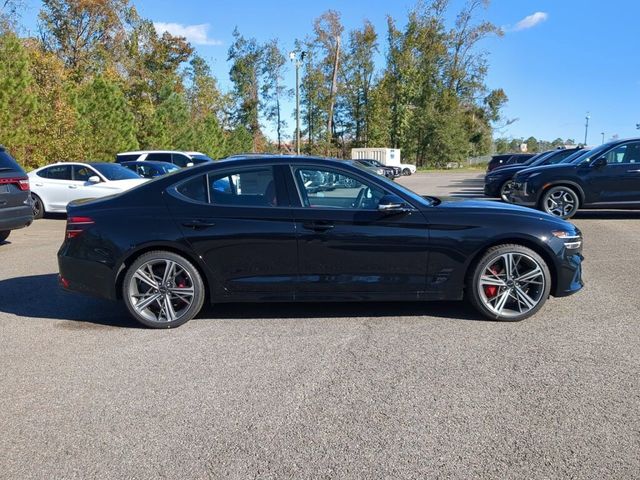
<point>607,215</point>
<point>467,188</point>
<point>39,296</point>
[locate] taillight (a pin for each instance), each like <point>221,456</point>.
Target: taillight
<point>76,225</point>
<point>21,182</point>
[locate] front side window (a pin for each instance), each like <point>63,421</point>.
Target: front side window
<point>181,160</point>
<point>82,173</point>
<point>624,154</point>
<point>159,157</point>
<point>320,188</point>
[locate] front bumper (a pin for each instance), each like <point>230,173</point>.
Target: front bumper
<point>569,275</point>
<point>521,195</point>
<point>13,218</point>
<point>491,189</point>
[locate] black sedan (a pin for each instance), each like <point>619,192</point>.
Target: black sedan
<point>498,182</point>
<point>150,169</point>
<point>261,230</point>
<point>606,177</point>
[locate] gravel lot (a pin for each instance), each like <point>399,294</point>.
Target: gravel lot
<point>323,391</point>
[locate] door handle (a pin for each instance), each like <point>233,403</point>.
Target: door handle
<point>38,184</point>
<point>198,224</point>
<point>633,171</point>
<point>73,186</point>
<point>318,226</point>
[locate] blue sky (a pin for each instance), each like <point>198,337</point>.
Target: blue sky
<point>557,60</point>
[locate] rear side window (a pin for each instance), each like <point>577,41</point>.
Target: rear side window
<point>195,189</point>
<point>159,157</point>
<point>7,162</point>
<point>248,188</point>
<point>127,158</point>
<point>56,172</point>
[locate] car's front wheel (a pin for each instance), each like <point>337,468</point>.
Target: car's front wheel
<point>4,235</point>
<point>509,282</point>
<point>560,201</point>
<point>505,191</point>
<point>406,172</point>
<point>163,290</point>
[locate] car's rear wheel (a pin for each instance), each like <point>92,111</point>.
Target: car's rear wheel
<point>163,290</point>
<point>37,206</point>
<point>509,283</point>
<point>406,172</point>
<point>560,201</point>
<point>4,235</point>
<point>505,190</point>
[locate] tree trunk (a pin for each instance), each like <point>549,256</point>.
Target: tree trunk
<point>334,91</point>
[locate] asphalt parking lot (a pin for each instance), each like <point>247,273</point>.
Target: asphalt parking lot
<point>323,391</point>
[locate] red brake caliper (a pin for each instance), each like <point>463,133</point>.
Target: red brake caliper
<point>491,290</point>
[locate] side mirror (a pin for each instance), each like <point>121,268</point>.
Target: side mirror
<point>394,204</point>
<point>600,163</point>
<point>94,179</point>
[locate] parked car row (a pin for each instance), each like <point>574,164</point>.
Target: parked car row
<point>562,182</point>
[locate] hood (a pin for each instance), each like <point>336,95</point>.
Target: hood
<point>557,168</point>
<point>494,207</point>
<point>507,170</point>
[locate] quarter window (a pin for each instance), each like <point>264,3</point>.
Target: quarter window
<point>321,188</point>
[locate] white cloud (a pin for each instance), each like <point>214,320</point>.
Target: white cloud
<point>531,21</point>
<point>196,34</point>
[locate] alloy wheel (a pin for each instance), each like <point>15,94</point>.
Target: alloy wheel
<point>36,206</point>
<point>511,285</point>
<point>161,291</point>
<point>505,191</point>
<point>561,202</point>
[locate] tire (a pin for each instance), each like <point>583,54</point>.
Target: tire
<point>496,292</point>
<point>4,235</point>
<point>183,289</point>
<point>560,201</point>
<point>406,172</point>
<point>505,191</point>
<point>37,206</point>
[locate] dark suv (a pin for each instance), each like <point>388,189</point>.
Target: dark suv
<point>498,161</point>
<point>15,198</point>
<point>498,182</point>
<point>606,177</point>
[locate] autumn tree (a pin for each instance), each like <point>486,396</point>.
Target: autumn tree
<point>245,57</point>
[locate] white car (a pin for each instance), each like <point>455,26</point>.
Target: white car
<point>54,186</point>
<point>408,169</point>
<point>181,159</point>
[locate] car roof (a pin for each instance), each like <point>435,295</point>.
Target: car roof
<point>283,159</point>
<point>148,162</point>
<point>141,152</point>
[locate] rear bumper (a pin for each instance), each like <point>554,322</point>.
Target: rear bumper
<point>85,276</point>
<point>13,218</point>
<point>520,196</point>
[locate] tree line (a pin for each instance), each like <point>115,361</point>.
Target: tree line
<point>99,79</point>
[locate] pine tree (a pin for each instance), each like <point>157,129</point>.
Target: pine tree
<point>106,123</point>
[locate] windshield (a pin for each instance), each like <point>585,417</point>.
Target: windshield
<point>591,154</point>
<point>574,156</point>
<point>113,171</point>
<point>537,160</point>
<point>409,193</point>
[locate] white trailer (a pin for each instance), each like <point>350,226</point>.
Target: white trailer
<point>386,156</point>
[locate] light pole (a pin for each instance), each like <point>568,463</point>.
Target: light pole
<point>602,133</point>
<point>297,58</point>
<point>586,127</point>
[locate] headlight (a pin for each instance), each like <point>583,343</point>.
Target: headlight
<point>380,171</point>
<point>570,239</point>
